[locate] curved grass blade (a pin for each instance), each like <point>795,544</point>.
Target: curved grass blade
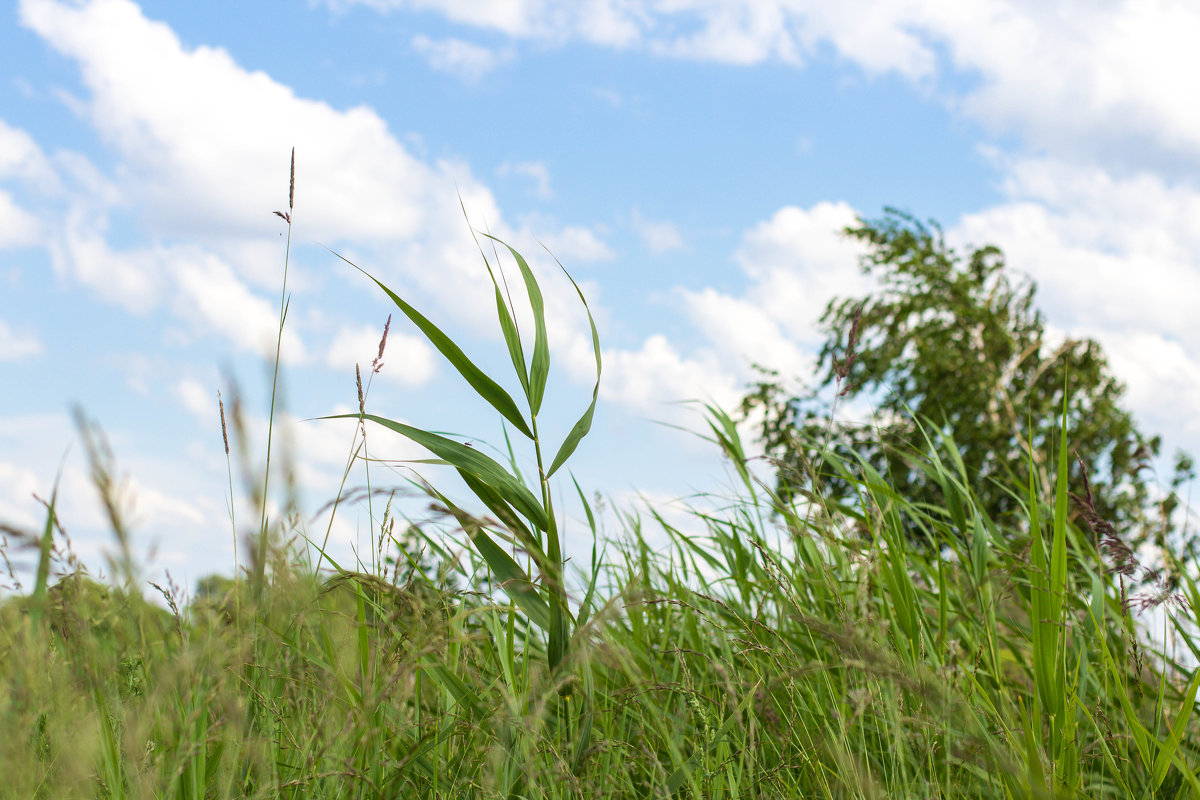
<point>45,548</point>
<point>1168,748</point>
<point>539,367</point>
<point>512,336</point>
<point>514,580</point>
<point>484,386</point>
<point>584,424</point>
<point>498,506</point>
<point>467,459</point>
<point>585,607</point>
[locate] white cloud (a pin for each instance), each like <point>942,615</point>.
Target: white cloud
<point>168,110</point>
<point>877,36</point>
<point>600,21</point>
<point>575,243</point>
<point>1163,381</point>
<point>197,398</point>
<point>797,261</point>
<point>190,174</point>
<point>657,374</point>
<point>743,332</point>
<point>406,359</point>
<point>1122,67</point>
<point>658,237</point>
<point>17,226</point>
<point>132,279</point>
<point>794,262</point>
<point>465,60</point>
<point>1106,252</point>
<point>21,158</point>
<point>213,298</point>
<point>535,171</point>
<point>16,345</point>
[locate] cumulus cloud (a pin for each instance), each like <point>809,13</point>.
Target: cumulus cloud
<point>17,226</point>
<point>21,158</point>
<point>214,299</point>
<point>793,263</point>
<point>576,243</point>
<point>655,374</point>
<point>1120,68</point>
<point>1123,68</point>
<point>464,60</point>
<point>536,171</point>
<point>16,345</point>
<point>796,261</point>
<point>186,172</point>
<point>197,398</point>
<point>1107,252</point>
<point>169,111</point>
<point>658,236</point>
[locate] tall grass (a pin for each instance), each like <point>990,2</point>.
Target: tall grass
<point>762,649</point>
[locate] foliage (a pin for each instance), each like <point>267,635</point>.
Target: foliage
<point>764,657</point>
<point>951,339</point>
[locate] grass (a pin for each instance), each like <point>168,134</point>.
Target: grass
<point>773,650</point>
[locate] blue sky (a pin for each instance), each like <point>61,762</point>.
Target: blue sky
<point>690,163</point>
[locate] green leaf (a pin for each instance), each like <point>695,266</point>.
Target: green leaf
<point>539,367</point>
<point>584,424</point>
<point>1167,749</point>
<point>512,337</point>
<point>1058,569</point>
<point>462,692</point>
<point>45,550</point>
<point>484,386</point>
<point>469,460</point>
<point>497,505</point>
<point>514,580</point>
<point>585,607</point>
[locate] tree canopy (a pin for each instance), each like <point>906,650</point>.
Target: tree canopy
<point>952,339</point>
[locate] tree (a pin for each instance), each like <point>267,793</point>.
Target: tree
<point>954,341</point>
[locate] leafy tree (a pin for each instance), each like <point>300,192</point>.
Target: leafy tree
<point>953,340</point>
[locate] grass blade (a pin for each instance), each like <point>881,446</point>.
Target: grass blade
<point>467,459</point>
<point>1167,749</point>
<point>483,385</point>
<point>584,424</point>
<point>539,367</point>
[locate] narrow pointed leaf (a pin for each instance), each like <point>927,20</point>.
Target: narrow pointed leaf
<point>497,505</point>
<point>484,386</point>
<point>513,579</point>
<point>585,607</point>
<point>512,337</point>
<point>1167,749</point>
<point>539,367</point>
<point>584,424</point>
<point>469,460</point>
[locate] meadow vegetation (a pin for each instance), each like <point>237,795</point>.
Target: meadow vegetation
<point>774,646</point>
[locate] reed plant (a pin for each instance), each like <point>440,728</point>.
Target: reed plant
<point>767,648</point>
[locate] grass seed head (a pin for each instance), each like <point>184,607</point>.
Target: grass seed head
<point>377,364</point>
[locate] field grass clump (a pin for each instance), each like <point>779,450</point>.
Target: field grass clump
<point>763,648</point>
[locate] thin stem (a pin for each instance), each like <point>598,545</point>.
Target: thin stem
<point>261,566</point>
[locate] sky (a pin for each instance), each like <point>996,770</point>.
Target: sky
<point>690,162</point>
